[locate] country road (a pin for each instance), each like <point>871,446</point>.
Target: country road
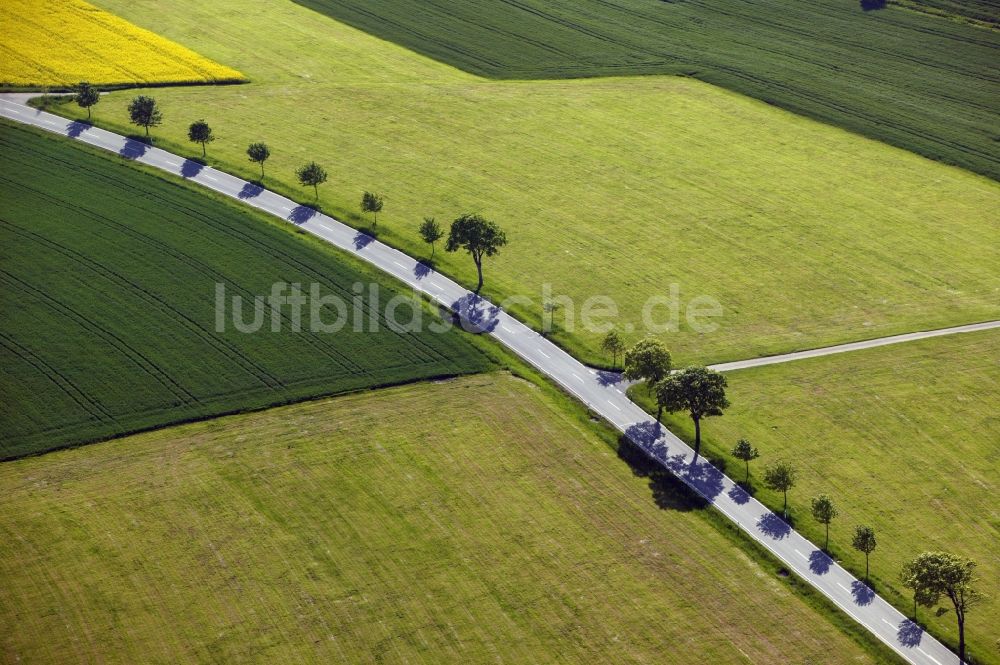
<point>595,389</point>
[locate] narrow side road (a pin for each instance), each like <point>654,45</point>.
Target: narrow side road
<point>853,346</point>
<point>598,390</point>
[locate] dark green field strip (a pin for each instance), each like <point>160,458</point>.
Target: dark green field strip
<point>108,322</point>
<point>984,12</point>
<point>916,81</point>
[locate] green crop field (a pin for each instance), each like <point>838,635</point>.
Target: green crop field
<point>907,78</point>
<point>806,234</point>
<point>475,520</point>
<point>905,438</point>
<point>108,324</point>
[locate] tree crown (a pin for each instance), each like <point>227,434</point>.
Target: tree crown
<point>142,111</point>
<point>200,132</point>
<point>646,360</point>
<point>745,451</point>
<point>780,476</point>
<point>864,539</point>
<point>823,509</point>
<point>371,202</point>
<point>697,390</point>
<point>86,95</point>
<point>476,235</point>
<point>933,574</point>
<point>612,342</point>
<point>430,230</point>
<point>311,174</point>
<point>258,152</point>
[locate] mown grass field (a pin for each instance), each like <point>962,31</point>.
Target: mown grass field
<point>806,235</point>
<point>63,42</point>
<point>109,321</point>
<point>475,520</point>
<point>911,79</point>
<point>905,438</point>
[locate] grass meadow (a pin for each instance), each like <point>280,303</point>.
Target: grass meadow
<point>471,520</point>
<point>62,42</point>
<point>913,80</point>
<point>905,438</point>
<point>806,234</point>
<point>108,324</point>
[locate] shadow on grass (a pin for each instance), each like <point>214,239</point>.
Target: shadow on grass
<point>669,492</point>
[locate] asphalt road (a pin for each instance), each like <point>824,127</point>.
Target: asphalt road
<point>599,391</point>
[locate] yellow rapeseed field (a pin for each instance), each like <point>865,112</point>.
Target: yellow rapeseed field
<point>62,42</point>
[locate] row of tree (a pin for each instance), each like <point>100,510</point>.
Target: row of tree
<point>473,233</point>
<point>701,392</point>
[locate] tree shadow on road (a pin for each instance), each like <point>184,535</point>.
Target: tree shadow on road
<point>362,240</point>
<point>819,562</point>
<point>191,168</point>
<point>133,149</point>
<point>702,476</point>
<point>773,526</point>
<point>739,495</point>
<point>608,378</point>
<point>910,633</point>
<point>476,314</point>
<point>301,214</point>
<point>645,434</point>
<point>77,127</point>
<point>421,270</point>
<point>863,594</point>
<point>250,190</point>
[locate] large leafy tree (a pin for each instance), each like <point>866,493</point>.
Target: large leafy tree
<point>86,96</point>
<point>143,112</point>
<point>935,574</point>
<point>479,237</point>
<point>646,360</point>
<point>698,390</point>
